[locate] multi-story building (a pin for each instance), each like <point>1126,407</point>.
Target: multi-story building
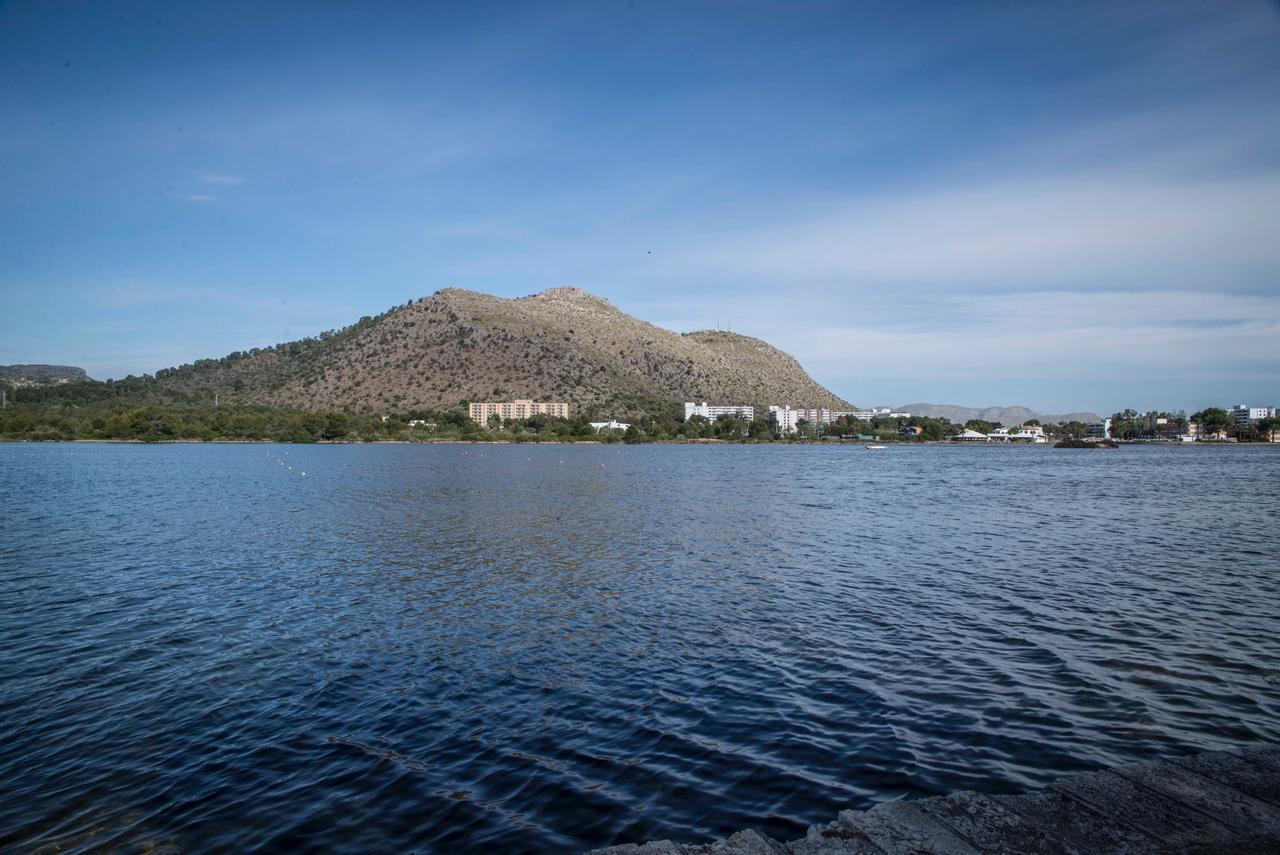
<point>711,413</point>
<point>1099,430</point>
<point>784,418</point>
<point>1244,414</point>
<point>520,409</point>
<point>787,418</point>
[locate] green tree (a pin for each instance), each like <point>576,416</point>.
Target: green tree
<point>1124,424</point>
<point>1269,428</point>
<point>1213,420</point>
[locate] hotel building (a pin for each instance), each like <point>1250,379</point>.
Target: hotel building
<point>480,412</point>
<point>1244,414</point>
<point>787,418</point>
<point>711,413</point>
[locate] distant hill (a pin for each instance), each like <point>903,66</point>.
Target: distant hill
<point>1009,416</point>
<point>563,344</point>
<point>35,374</point>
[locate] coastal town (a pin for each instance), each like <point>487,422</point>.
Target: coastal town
<point>129,411</point>
<point>1238,423</point>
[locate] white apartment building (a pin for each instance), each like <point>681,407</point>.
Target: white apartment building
<point>1100,430</point>
<point>784,418</point>
<point>518,409</point>
<point>1244,414</point>
<point>711,413</point>
<point>787,418</point>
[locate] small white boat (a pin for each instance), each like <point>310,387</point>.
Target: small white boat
<point>876,447</point>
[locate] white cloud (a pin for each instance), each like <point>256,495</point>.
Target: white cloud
<point>199,198</point>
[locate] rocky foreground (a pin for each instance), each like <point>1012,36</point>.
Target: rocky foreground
<point>1214,802</point>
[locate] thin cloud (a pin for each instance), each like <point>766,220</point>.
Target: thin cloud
<point>1101,229</point>
<point>198,198</point>
<point>215,178</point>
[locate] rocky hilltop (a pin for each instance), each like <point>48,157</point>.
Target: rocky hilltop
<point>563,344</point>
<point>32,375</point>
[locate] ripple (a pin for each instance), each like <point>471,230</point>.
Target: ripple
<point>446,647</point>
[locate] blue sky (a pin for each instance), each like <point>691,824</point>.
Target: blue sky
<point>1067,206</point>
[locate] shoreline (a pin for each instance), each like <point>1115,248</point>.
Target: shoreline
<point>783,443</point>
<point>1209,802</point>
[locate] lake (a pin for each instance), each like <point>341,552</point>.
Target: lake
<point>530,647</point>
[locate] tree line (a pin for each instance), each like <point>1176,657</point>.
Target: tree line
<point>1211,421</point>
<point>135,409</point>
<point>139,409</point>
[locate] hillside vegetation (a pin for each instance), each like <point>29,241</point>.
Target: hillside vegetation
<point>563,344</point>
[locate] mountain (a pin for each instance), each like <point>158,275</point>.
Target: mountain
<point>38,374</point>
<point>563,344</point>
<point>1009,416</point>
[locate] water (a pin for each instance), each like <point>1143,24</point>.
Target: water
<point>531,647</point>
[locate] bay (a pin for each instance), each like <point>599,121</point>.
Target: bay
<point>531,647</point>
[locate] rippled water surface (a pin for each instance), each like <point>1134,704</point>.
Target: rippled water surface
<point>527,647</point>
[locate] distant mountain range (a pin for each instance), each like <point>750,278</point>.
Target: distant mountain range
<point>34,374</point>
<point>563,344</point>
<point>1009,416</point>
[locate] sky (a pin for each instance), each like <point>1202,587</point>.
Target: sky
<point>1067,206</point>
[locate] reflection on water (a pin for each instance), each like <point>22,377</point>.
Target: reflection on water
<point>524,647</point>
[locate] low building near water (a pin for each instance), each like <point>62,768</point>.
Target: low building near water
<point>967,435</point>
<point>1029,433</point>
<point>609,425</point>
<point>1033,434</point>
